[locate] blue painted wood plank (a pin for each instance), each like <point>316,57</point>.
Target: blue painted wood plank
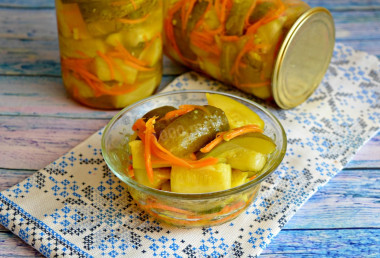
<point>336,4</point>
<point>345,4</point>
<point>325,243</point>
<point>349,200</point>
<point>46,96</point>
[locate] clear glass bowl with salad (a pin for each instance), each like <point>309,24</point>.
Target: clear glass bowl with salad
<point>194,158</point>
<point>111,51</point>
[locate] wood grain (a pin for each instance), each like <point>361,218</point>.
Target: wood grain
<point>39,122</point>
<point>34,142</point>
<point>325,243</point>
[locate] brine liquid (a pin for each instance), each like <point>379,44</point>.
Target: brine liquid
<point>235,42</point>
<point>111,51</point>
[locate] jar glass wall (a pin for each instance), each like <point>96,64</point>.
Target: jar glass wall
<point>235,42</point>
<point>111,51</point>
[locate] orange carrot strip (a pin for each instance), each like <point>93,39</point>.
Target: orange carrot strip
<point>163,153</point>
<point>147,148</point>
<point>108,62</point>
<point>131,172</point>
<point>246,19</point>
<point>204,162</point>
<point>134,4</point>
<point>218,139</point>
<point>252,177</point>
<point>156,205</point>
<point>176,113</point>
<point>241,130</point>
<point>130,57</point>
<point>254,85</point>
<point>139,125</point>
<point>228,135</point>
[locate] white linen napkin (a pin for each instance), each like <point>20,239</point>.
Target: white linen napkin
<point>75,206</point>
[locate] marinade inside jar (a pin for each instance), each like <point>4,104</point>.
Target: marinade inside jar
<point>111,51</point>
<point>233,41</point>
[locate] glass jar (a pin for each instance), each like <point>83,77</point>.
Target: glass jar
<point>277,49</point>
<point>111,51</point>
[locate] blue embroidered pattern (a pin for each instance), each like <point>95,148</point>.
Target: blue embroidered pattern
<point>77,207</point>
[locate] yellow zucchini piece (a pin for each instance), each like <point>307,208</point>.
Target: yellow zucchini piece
<point>137,151</point>
<point>238,177</point>
<point>70,21</point>
<point>118,70</point>
<point>153,53</point>
<point>143,89</point>
<point>237,113</point>
<point>201,180</point>
<point>166,186</point>
<point>160,176</point>
<point>77,87</point>
<point>84,48</point>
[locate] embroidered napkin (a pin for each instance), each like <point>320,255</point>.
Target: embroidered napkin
<point>76,206</point>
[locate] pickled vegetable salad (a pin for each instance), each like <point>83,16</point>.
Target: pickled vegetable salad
<point>233,41</point>
<point>199,149</point>
<point>111,51</point>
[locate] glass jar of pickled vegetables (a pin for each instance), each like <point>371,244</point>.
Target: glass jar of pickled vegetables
<point>273,49</point>
<point>111,50</point>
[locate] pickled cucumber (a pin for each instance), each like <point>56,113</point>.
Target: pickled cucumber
<point>191,131</point>
<point>201,180</point>
<point>246,152</point>
<point>236,18</point>
<point>159,113</point>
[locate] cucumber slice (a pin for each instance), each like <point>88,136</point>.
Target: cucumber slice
<point>237,113</point>
<point>238,177</point>
<point>201,180</point>
<point>121,71</point>
<point>241,153</point>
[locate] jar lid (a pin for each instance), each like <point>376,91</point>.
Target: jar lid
<point>303,58</point>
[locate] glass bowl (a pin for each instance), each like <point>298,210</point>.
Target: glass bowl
<point>180,209</point>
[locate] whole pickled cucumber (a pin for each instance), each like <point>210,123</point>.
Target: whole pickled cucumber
<point>235,21</point>
<point>182,39</point>
<point>159,113</point>
<point>188,133</point>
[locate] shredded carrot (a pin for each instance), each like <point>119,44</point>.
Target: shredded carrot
<point>212,144</point>
<point>108,62</point>
<point>156,205</point>
<point>254,85</point>
<point>169,30</point>
<point>147,148</point>
<point>134,4</point>
<point>131,172</point>
<point>228,135</point>
<point>246,19</point>
<point>119,47</point>
<point>242,130</point>
<point>252,177</point>
<point>193,156</point>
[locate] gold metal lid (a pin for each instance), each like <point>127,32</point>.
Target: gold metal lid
<point>303,58</point>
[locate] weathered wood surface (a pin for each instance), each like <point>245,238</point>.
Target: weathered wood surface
<point>38,123</point>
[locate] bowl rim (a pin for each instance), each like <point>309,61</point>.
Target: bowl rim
<point>193,196</point>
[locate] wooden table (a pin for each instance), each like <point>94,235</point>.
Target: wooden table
<point>39,122</point>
